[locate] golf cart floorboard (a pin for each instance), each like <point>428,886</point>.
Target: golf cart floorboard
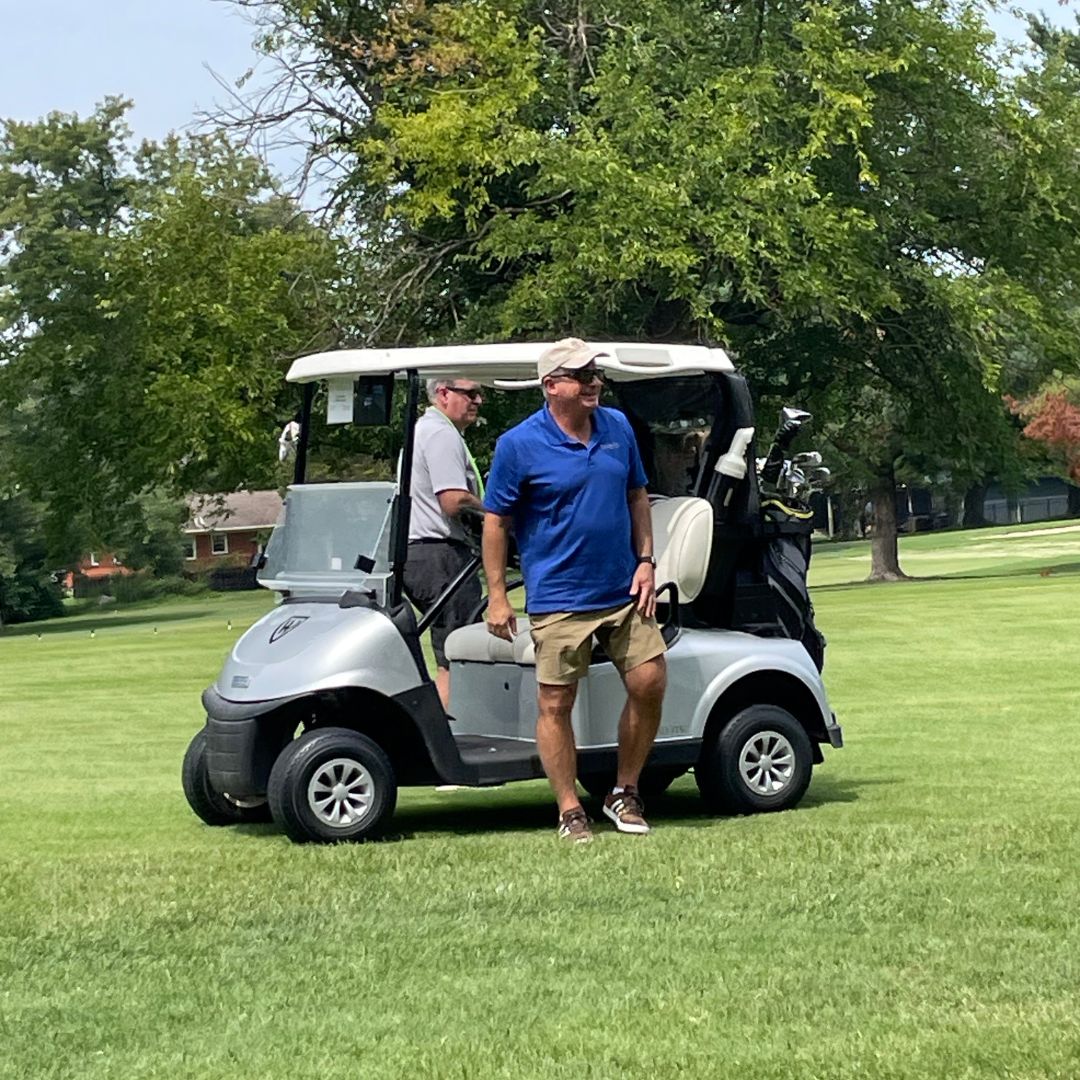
<point>498,760</point>
<point>495,760</point>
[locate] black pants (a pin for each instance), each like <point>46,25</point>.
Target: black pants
<point>431,566</point>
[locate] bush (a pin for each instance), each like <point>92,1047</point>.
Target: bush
<point>130,588</point>
<point>27,597</point>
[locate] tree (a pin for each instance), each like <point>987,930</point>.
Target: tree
<point>150,301</point>
<point>871,179</point>
<point>28,589</point>
<point>1052,420</point>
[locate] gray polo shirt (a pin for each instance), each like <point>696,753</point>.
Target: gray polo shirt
<point>440,463</point>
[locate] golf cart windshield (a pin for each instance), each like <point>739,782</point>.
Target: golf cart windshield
<point>324,529</point>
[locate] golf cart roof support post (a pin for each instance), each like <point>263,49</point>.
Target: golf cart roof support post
<point>402,510</point>
<point>300,468</point>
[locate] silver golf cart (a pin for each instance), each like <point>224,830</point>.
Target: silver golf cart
<point>325,706</point>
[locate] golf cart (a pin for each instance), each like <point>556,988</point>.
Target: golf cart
<point>325,706</point>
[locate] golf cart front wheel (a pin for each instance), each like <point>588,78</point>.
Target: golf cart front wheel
<point>760,761</point>
<point>332,784</point>
<point>215,807</point>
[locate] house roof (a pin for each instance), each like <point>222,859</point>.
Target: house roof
<point>233,512</point>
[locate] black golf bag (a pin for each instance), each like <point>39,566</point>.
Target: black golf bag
<point>785,561</point>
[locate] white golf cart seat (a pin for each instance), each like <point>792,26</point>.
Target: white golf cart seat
<point>682,534</point>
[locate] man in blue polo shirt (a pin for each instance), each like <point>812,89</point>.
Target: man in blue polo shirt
<point>570,482</point>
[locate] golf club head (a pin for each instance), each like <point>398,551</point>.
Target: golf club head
<point>793,481</point>
<point>791,422</point>
<point>810,457</point>
<point>819,476</point>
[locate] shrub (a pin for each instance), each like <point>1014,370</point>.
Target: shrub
<point>27,597</point>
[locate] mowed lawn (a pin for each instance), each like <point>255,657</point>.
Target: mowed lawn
<point>918,916</point>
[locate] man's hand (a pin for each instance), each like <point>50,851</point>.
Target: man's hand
<point>500,618</point>
<point>643,587</point>
<point>500,615</point>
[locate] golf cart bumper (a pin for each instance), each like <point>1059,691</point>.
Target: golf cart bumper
<point>241,747</point>
<point>834,731</point>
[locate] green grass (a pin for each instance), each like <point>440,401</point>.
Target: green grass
<point>988,552</point>
<point>916,917</point>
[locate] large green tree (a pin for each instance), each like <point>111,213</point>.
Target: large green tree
<point>150,300</point>
<point>867,201</point>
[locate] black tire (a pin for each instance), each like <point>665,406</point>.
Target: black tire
<point>728,776</point>
<point>652,783</point>
<point>214,807</point>
<point>308,764</point>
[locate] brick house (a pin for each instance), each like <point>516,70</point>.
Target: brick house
<point>227,530</point>
<point>95,566</point>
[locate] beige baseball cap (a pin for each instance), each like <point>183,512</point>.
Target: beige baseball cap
<point>570,353</point>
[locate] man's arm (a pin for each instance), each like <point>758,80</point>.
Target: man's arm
<point>643,585</point>
<point>447,465</point>
<point>453,500</point>
<point>501,620</point>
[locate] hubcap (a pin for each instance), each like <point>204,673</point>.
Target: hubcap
<point>767,763</point>
<point>340,792</point>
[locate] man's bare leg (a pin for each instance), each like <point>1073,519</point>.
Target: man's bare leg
<point>442,684</point>
<point>555,741</point>
<point>640,720</point>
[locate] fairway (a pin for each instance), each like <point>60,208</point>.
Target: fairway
<point>917,917</point>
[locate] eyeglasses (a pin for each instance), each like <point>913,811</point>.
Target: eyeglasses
<point>584,376</point>
<point>473,395</point>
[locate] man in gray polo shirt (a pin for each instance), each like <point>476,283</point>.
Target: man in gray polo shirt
<point>445,481</point>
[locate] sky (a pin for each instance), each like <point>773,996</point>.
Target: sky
<point>67,55</point>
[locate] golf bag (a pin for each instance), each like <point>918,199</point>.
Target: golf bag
<point>785,561</point>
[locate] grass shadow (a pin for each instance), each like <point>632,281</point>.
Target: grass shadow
<point>502,810</point>
<point>1053,570</point>
<point>105,621</point>
<point>679,805</point>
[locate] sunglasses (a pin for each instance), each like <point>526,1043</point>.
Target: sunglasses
<point>581,375</point>
<point>472,395</point>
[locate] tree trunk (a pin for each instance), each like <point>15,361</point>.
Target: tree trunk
<point>884,551</point>
<point>1073,506</point>
<point>974,502</point>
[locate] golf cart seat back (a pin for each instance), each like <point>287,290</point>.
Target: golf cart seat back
<point>682,535</point>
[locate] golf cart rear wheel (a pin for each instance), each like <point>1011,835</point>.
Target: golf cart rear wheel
<point>760,761</point>
<point>214,807</point>
<point>332,784</point>
<point>652,783</point>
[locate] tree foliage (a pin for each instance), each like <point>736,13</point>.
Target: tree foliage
<point>150,300</point>
<point>869,203</point>
<point>1052,419</point>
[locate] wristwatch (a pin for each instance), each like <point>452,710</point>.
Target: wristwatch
<point>650,559</point>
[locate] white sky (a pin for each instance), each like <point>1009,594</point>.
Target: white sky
<point>68,54</point>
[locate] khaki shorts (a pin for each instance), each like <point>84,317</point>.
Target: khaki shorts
<point>563,641</point>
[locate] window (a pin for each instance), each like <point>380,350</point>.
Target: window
<point>219,544</point>
<point>189,547</point>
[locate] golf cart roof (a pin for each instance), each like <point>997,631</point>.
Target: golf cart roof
<point>506,363</point>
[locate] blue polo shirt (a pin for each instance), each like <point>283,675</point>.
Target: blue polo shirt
<point>568,503</point>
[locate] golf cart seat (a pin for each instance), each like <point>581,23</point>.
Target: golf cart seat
<point>682,535</point>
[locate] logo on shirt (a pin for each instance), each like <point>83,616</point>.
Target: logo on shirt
<point>609,446</point>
